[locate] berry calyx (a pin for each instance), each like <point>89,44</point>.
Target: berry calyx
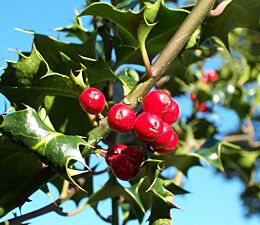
<point>92,101</point>
<point>121,118</point>
<point>171,146</point>
<point>157,102</point>
<point>173,115</point>
<point>148,126</point>
<point>124,161</point>
<point>164,138</point>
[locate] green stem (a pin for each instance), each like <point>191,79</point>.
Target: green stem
<point>168,54</point>
<point>115,211</point>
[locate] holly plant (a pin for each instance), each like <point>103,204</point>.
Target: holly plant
<point>120,96</point>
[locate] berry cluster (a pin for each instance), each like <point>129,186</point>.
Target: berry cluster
<point>152,126</point>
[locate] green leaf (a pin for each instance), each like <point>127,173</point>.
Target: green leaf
<point>173,188</point>
<point>157,38</point>
<point>136,29</point>
<point>127,21</point>
<point>97,71</point>
<point>26,81</point>
<point>160,213</point>
<point>211,155</point>
<point>57,150</point>
<point>16,161</point>
<point>130,194</point>
<point>221,25</point>
<point>65,114</point>
<point>75,30</point>
<point>127,81</point>
<point>181,160</point>
<point>203,128</point>
<point>157,188</point>
<point>51,50</point>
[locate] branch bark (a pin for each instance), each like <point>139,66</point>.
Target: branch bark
<point>168,54</point>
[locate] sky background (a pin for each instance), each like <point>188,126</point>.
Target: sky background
<point>213,200</point>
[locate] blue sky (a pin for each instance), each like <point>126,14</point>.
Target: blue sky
<point>213,200</point>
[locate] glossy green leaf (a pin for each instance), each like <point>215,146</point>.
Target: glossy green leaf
<point>65,114</point>
<point>57,150</point>
<point>51,50</point>
<point>221,25</point>
<point>26,81</point>
<point>138,28</point>
<point>127,81</point>
<point>211,155</point>
<point>97,71</point>
<point>181,160</point>
<point>130,194</point>
<point>16,161</point>
<point>173,188</point>
<point>76,30</point>
<point>157,188</point>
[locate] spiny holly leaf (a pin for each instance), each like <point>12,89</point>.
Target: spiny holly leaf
<point>65,114</point>
<point>57,150</point>
<point>133,27</point>
<point>173,188</point>
<point>238,161</point>
<point>211,155</point>
<point>75,30</point>
<point>221,25</point>
<point>130,194</point>
<point>161,206</point>
<point>126,4</point>
<point>97,71</point>
<point>127,81</point>
<point>157,188</point>
<point>157,37</point>
<point>17,162</point>
<point>25,81</point>
<point>51,50</point>
<point>181,160</point>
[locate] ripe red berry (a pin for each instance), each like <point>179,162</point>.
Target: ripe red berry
<point>171,146</point>
<point>212,75</point>
<point>121,118</point>
<point>173,115</point>
<point>92,101</point>
<point>203,107</point>
<point>157,102</point>
<point>148,126</point>
<point>164,138</point>
<point>124,161</point>
<point>113,152</point>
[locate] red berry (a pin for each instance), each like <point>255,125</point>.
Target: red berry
<point>148,126</point>
<point>173,115</point>
<point>114,151</point>
<point>203,107</point>
<point>212,75</point>
<point>157,102</point>
<point>92,101</point>
<point>172,144</point>
<point>121,118</point>
<point>165,137</point>
<point>124,161</point>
